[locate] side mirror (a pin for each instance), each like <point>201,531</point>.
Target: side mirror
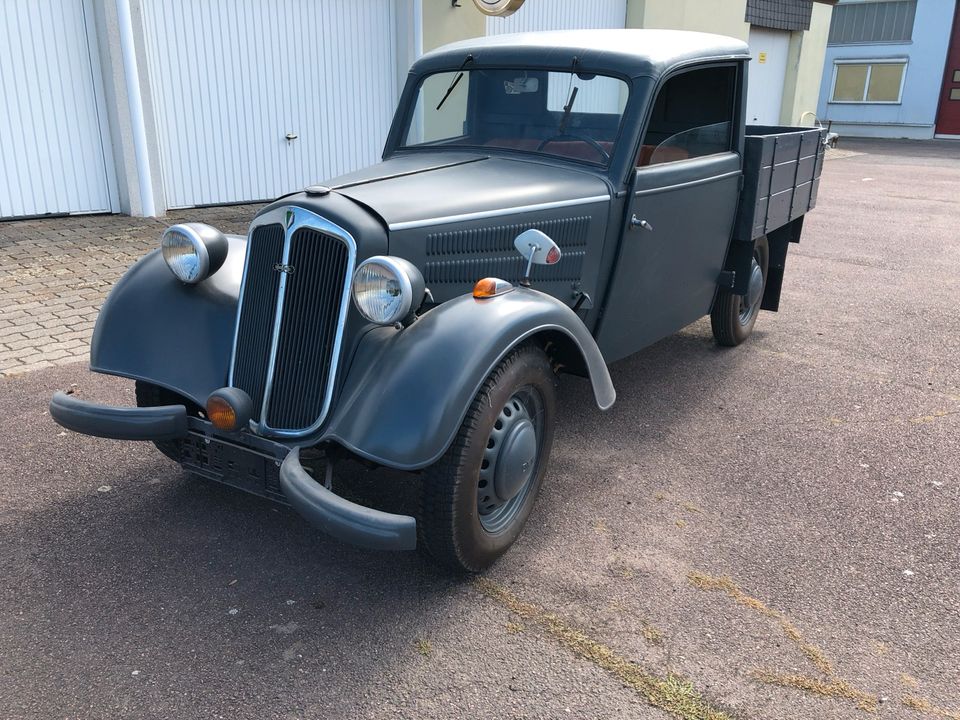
<point>538,248</point>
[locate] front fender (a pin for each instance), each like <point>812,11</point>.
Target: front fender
<point>407,391</point>
<point>154,327</point>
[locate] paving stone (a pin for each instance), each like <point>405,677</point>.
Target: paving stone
<point>56,272</point>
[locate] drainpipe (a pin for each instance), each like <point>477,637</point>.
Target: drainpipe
<point>129,53</point>
<point>417,28</point>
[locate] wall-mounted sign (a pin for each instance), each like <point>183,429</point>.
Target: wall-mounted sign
<point>762,58</point>
<point>501,8</point>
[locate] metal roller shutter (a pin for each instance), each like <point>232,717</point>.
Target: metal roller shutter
<point>230,80</point>
<point>53,158</point>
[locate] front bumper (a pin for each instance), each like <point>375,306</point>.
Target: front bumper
<point>167,422</point>
<point>227,458</point>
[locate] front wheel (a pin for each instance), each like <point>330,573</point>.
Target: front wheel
<point>478,496</point>
<point>733,316</point>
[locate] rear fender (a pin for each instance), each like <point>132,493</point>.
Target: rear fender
<point>406,392</point>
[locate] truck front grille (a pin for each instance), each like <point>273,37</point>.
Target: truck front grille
<point>290,321</point>
<point>308,329</point>
<point>259,311</point>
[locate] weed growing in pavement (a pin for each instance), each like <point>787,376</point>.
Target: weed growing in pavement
<point>674,694</point>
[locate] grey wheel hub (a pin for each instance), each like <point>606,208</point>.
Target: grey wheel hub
<point>515,462</point>
<point>509,463</point>
<point>750,304</point>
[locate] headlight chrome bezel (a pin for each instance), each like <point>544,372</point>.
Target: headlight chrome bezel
<point>411,284</point>
<point>208,244</point>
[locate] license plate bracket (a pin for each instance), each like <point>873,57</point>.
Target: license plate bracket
<point>232,464</point>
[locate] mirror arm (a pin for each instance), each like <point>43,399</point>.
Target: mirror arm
<point>526,275</point>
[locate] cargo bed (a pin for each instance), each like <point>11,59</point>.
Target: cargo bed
<point>781,177</point>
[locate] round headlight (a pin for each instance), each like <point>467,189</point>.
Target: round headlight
<point>387,290</point>
<point>193,251</point>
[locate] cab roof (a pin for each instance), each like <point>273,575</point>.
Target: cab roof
<point>632,53</point>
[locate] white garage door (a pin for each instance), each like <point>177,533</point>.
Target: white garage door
<point>536,15</point>
<point>53,158</point>
<point>230,81</point>
<point>767,74</point>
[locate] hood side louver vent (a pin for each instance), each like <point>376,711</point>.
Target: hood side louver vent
<point>463,256</point>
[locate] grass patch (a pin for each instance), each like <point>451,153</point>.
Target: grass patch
<point>909,681</point>
<point>831,688</point>
<point>922,705</point>
<point>726,585</point>
<point>424,647</point>
<point>673,694</point>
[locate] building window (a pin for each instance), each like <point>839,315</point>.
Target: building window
<point>868,81</point>
<point>877,21</point>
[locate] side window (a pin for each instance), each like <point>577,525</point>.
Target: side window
<point>692,117</point>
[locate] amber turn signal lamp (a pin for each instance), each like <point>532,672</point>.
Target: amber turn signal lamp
<point>221,414</point>
<point>229,409</point>
<point>491,287</point>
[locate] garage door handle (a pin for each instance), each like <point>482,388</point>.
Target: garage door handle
<point>636,222</point>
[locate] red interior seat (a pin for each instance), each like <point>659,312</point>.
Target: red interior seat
<point>664,154</point>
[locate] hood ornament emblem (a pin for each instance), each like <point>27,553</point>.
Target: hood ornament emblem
<point>289,218</point>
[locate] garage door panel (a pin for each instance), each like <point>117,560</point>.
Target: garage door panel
<point>231,79</point>
<point>51,121</point>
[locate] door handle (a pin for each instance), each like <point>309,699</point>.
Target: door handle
<point>636,222</point>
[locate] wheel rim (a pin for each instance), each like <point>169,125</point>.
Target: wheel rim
<point>511,460</point>
<point>750,303</point>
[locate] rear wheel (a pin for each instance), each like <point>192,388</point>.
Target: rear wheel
<point>478,496</point>
<point>733,316</point>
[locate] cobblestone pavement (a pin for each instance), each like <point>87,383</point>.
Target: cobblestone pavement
<point>55,273</point>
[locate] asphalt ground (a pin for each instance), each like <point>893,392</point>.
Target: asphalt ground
<point>764,532</point>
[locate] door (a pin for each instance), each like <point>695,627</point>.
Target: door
<point>681,207</point>
<point>948,116</point>
<point>768,72</point>
<point>54,151</point>
<point>257,99</point>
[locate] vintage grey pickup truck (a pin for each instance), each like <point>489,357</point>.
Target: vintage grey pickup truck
<point>547,203</point>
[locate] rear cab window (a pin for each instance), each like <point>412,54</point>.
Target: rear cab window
<point>577,116</point>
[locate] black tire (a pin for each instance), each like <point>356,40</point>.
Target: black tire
<point>733,316</point>
<point>149,395</point>
<point>454,527</point>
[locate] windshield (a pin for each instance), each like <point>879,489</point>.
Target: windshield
<point>566,114</point>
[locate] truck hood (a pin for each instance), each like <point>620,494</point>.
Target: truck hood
<point>432,188</point>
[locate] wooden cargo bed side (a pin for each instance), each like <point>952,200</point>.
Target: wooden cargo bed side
<point>781,169</point>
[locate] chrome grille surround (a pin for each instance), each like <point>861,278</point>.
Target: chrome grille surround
<point>292,219</point>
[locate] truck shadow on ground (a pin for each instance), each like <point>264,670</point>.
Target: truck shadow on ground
<point>138,561</point>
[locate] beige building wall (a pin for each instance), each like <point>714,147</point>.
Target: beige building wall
<point>801,90</point>
<point>443,23</point>
<point>723,17</point>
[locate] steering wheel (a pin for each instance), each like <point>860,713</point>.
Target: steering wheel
<point>567,136</point>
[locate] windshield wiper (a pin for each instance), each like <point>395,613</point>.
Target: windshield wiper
<point>566,110</point>
<point>456,80</point>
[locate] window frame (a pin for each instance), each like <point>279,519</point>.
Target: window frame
<point>736,122</point>
<point>855,43</point>
<point>416,84</point>
<point>869,62</point>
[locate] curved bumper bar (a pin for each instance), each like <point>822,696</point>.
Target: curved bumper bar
<point>167,422</point>
<point>341,518</point>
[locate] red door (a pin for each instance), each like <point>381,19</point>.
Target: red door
<point>948,117</point>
